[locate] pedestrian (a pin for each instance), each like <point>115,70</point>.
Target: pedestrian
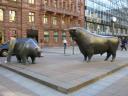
<point>65,45</point>
<point>123,44</point>
<point>11,47</point>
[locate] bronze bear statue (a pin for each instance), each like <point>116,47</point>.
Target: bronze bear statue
<point>90,43</point>
<point>26,49</point>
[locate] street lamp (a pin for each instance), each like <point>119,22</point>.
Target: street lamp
<point>113,21</point>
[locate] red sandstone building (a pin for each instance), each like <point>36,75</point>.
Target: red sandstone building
<point>44,20</point>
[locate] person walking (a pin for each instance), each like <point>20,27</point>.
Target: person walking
<point>123,44</point>
<point>65,45</point>
<point>11,47</point>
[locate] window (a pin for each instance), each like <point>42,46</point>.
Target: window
<point>46,36</point>
<point>45,21</point>
<point>31,17</point>
<point>64,4</point>
<point>1,15</point>
<point>13,33</point>
<point>56,36</point>
<point>63,35</point>
<point>79,7</point>
<point>31,1</point>
<point>12,16</point>
<point>45,2</point>
<point>55,3</point>
<point>54,21</point>
<point>63,22</point>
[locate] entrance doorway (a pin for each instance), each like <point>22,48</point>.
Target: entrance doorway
<point>32,34</point>
<point>0,37</point>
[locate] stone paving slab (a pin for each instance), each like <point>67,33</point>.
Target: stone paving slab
<point>11,88</point>
<point>67,73</point>
<point>118,88</point>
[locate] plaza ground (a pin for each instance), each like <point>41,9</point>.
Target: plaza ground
<point>68,73</point>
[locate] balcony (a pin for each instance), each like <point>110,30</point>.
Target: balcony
<point>59,10</point>
<point>10,3</point>
<point>3,1</point>
<point>46,26</point>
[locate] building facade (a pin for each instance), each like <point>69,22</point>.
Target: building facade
<point>99,16</point>
<point>44,20</point>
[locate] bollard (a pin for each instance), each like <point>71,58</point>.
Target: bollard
<point>73,47</point>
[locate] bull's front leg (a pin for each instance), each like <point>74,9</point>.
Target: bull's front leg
<point>89,58</point>
<point>113,57</point>
<point>108,55</point>
<point>85,57</point>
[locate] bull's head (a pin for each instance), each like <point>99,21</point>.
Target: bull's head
<point>75,33</point>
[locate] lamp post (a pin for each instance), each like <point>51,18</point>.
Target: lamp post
<point>113,22</point>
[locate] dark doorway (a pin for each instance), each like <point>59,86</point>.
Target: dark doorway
<point>32,34</point>
<point>0,37</point>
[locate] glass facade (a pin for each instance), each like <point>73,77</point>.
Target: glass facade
<point>99,14</point>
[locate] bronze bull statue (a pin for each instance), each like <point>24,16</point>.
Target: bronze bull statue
<point>90,43</point>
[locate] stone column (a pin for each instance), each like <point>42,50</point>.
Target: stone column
<point>6,21</point>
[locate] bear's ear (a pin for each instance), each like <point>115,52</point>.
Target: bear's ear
<point>38,49</point>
